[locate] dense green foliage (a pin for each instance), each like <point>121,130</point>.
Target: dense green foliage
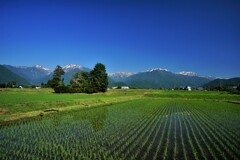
<point>90,82</point>
<point>68,74</point>
<point>56,80</point>
<point>149,128</point>
<point>81,82</point>
<point>7,76</point>
<point>98,78</point>
<point>8,85</point>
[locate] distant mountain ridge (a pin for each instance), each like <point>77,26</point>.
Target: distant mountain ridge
<point>120,76</point>
<point>38,74</point>
<point>187,73</point>
<point>223,83</point>
<point>8,76</point>
<point>153,78</point>
<point>159,78</point>
<point>32,74</point>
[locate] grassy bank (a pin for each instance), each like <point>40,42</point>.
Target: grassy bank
<point>22,103</point>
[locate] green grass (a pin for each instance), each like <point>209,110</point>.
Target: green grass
<point>121,124</point>
<point>202,95</point>
<point>20,103</point>
<point>126,130</point>
<point>17,103</point>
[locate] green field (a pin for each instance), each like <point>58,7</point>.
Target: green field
<point>119,124</point>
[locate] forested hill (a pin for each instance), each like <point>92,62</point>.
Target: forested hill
<point>8,76</point>
<point>223,83</point>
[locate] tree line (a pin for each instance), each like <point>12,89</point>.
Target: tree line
<point>12,84</point>
<point>81,82</point>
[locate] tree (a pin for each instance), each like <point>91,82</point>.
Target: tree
<point>80,82</point>
<point>98,79</point>
<point>83,82</point>
<point>3,85</point>
<point>56,81</point>
<point>11,84</point>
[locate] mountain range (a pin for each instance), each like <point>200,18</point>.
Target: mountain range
<point>8,76</point>
<point>37,74</point>
<point>158,78</point>
<point>154,78</point>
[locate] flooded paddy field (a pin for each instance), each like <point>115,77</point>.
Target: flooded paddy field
<point>149,128</point>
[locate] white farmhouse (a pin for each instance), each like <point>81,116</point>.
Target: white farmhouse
<point>188,88</point>
<point>125,87</point>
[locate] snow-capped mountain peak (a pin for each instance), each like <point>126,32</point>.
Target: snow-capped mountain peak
<point>157,69</point>
<point>187,73</point>
<point>38,66</point>
<point>121,74</point>
<point>211,77</point>
<point>72,66</point>
<point>75,67</point>
<point>42,68</point>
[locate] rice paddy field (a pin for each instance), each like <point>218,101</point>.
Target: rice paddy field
<point>120,124</point>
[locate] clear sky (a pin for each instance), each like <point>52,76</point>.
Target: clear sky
<point>126,35</point>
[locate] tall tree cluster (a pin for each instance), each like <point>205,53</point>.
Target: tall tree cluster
<point>81,82</point>
<point>98,78</point>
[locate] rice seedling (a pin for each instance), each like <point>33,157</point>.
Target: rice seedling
<point>147,128</point>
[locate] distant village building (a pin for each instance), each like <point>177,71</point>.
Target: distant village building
<point>125,87</point>
<point>120,87</point>
<point>188,88</point>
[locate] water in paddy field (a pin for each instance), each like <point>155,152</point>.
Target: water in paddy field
<point>128,131</point>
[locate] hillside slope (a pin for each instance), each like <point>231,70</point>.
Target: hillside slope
<point>34,74</point>
<point>8,76</point>
<point>163,79</point>
<point>223,83</point>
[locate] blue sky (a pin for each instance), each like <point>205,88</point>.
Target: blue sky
<point>125,35</point>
